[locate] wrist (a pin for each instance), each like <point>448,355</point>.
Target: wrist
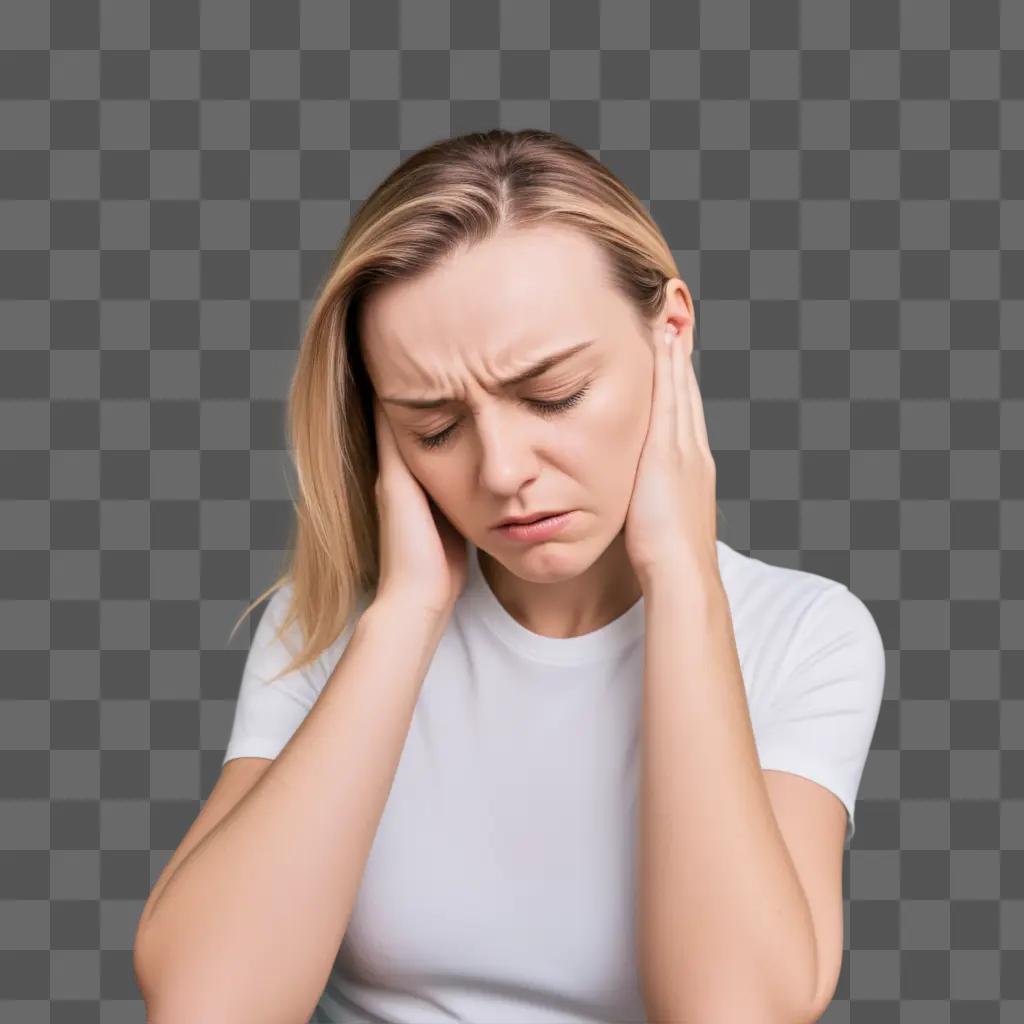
<point>408,614</point>
<point>700,589</point>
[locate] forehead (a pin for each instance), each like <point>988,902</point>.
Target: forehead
<point>503,301</point>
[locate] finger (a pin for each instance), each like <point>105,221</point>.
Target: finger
<point>681,369</point>
<point>663,402</point>
<point>700,423</point>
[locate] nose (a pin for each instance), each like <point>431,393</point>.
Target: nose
<point>508,451</point>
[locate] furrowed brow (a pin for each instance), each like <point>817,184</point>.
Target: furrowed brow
<point>534,371</point>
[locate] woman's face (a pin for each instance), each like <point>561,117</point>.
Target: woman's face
<point>486,451</point>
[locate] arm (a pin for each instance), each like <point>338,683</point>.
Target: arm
<point>725,930</point>
<point>247,927</point>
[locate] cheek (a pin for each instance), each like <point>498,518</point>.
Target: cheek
<point>626,409</point>
<point>425,471</point>
<point>613,434</point>
<point>445,478</point>
<point>432,474</point>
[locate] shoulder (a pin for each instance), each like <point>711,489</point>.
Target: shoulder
<point>752,581</point>
<point>780,595</point>
<point>274,646</point>
<point>786,619</point>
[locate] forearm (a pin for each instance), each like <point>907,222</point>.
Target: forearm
<point>725,930</point>
<point>248,925</point>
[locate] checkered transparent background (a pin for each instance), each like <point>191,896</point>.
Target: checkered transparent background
<point>842,184</point>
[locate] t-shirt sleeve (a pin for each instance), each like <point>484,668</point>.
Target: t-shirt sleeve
<point>821,717</point>
<point>268,713</point>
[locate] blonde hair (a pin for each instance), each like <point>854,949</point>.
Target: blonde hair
<point>441,199</point>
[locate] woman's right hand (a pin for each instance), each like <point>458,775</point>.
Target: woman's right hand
<point>423,558</point>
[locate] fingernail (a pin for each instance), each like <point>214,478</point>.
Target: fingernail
<point>669,334</point>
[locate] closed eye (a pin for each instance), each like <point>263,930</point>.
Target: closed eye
<point>439,440</point>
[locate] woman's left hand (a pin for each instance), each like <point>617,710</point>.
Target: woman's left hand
<point>671,524</point>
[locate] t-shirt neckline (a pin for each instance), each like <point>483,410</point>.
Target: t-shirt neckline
<point>598,645</point>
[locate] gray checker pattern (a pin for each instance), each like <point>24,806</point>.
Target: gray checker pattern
<point>842,182</point>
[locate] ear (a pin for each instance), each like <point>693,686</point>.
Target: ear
<point>678,311</point>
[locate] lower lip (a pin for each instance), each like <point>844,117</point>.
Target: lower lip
<point>540,530</point>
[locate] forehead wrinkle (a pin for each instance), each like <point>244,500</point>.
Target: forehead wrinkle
<point>535,370</point>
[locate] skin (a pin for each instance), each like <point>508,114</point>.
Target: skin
<point>489,312</point>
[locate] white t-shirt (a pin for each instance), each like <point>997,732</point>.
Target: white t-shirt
<point>500,885</point>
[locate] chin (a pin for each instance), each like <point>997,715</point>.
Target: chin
<point>554,562</point>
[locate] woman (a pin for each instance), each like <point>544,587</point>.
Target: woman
<point>597,769</point>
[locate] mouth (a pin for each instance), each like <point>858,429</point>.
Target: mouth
<point>526,522</point>
<point>540,529</point>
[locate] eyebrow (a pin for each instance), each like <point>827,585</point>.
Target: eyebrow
<point>534,371</point>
